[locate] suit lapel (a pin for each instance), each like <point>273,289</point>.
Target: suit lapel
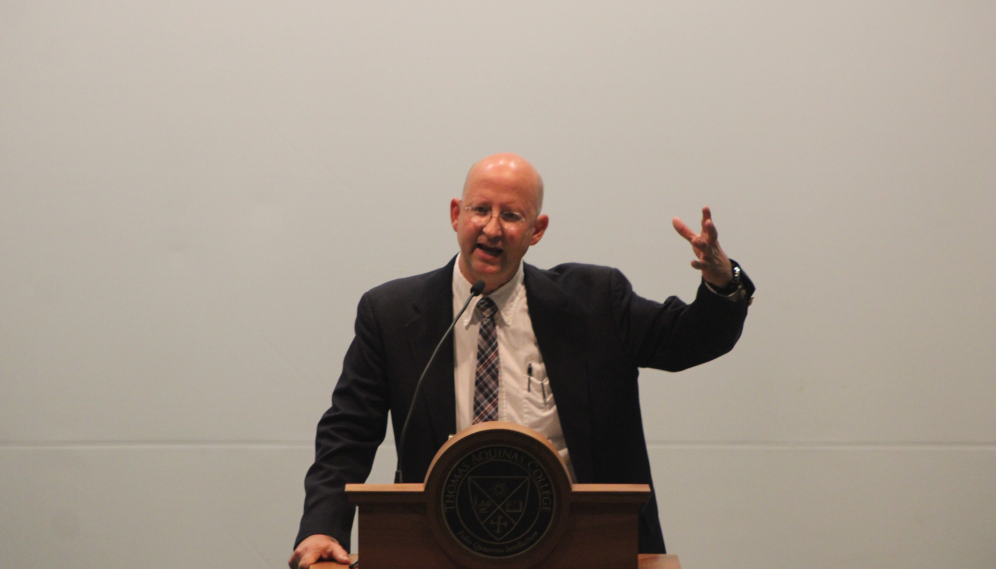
<point>433,314</point>
<point>558,323</point>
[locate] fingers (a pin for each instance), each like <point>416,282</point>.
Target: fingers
<point>314,548</point>
<point>297,558</point>
<point>710,258</point>
<point>308,559</point>
<point>705,245</point>
<point>709,232</point>
<point>339,554</point>
<point>683,229</point>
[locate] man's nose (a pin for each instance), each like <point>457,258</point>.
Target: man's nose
<point>493,227</point>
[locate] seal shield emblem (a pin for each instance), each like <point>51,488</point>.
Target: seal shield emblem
<point>498,501</point>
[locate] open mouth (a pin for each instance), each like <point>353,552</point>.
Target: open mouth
<point>490,251</point>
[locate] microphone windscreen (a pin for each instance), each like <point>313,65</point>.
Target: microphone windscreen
<point>477,288</point>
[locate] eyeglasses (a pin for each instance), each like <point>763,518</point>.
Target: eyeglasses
<point>481,215</point>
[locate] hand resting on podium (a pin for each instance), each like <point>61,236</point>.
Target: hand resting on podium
<point>315,548</point>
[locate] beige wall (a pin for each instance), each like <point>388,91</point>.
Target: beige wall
<point>193,197</point>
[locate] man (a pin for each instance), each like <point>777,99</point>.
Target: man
<point>575,333</point>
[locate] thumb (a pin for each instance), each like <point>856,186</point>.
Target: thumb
<point>308,559</point>
<point>682,229</point>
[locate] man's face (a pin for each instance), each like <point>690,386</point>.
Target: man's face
<point>491,250</point>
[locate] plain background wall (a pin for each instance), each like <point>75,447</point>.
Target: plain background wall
<point>194,195</point>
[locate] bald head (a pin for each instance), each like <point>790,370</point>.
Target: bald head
<point>498,219</point>
<point>509,169</point>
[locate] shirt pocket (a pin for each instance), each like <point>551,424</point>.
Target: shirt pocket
<point>539,409</point>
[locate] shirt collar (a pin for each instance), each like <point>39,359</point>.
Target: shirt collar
<point>506,297</point>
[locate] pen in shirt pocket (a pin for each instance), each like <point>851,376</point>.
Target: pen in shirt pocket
<point>529,381</point>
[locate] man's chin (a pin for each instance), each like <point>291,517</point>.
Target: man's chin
<point>485,266</point>
<point>491,273</point>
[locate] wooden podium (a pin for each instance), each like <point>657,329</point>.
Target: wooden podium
<point>497,496</point>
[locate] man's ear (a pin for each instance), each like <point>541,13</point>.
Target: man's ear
<point>539,228</point>
<point>455,206</point>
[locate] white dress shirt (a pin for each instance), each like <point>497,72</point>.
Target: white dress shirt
<point>524,394</point>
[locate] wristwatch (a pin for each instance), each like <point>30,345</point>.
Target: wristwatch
<point>734,284</point>
<point>734,290</point>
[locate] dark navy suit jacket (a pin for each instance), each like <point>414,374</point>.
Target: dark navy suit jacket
<point>594,333</point>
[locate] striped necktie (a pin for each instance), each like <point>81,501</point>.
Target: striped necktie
<point>486,383</point>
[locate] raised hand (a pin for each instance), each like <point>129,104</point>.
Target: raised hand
<point>709,256</point>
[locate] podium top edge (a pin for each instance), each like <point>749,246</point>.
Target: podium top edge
<point>615,488</point>
<point>610,493</point>
<point>645,561</point>
<point>393,488</point>
<point>583,488</point>
<point>582,492</point>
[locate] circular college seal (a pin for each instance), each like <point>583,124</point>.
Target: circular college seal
<point>498,501</point>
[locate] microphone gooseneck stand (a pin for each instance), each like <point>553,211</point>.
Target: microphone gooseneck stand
<point>475,290</point>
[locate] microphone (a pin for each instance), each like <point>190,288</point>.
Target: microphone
<point>475,290</point>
